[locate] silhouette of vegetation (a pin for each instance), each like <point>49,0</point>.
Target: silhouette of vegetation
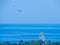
<point>39,42</point>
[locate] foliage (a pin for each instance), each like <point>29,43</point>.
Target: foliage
<point>39,42</point>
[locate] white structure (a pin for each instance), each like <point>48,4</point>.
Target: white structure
<point>42,36</point>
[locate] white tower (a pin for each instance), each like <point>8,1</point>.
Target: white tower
<point>42,36</point>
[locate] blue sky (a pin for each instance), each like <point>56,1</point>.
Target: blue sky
<point>32,11</point>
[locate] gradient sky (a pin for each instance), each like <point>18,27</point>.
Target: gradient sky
<point>32,11</point>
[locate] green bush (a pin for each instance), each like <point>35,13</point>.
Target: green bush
<point>39,42</point>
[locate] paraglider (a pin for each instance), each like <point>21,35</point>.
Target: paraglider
<point>18,11</point>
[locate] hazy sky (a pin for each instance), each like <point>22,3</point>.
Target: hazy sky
<point>32,11</point>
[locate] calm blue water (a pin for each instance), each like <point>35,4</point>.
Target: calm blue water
<point>28,32</point>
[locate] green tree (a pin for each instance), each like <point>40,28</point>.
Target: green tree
<point>26,43</point>
<point>33,43</point>
<point>14,44</point>
<point>6,43</point>
<point>0,43</point>
<point>21,42</point>
<point>49,43</point>
<point>58,43</point>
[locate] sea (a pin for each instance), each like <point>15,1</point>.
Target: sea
<point>28,32</point>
